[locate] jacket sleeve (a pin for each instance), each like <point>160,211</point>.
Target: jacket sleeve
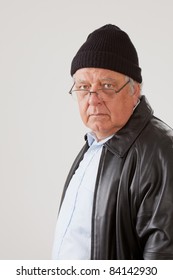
<point>155,213</point>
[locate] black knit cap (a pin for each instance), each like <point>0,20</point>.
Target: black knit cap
<point>108,47</point>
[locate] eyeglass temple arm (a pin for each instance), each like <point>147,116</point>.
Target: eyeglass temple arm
<point>70,91</point>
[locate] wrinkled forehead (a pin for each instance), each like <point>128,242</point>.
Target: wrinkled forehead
<point>93,74</point>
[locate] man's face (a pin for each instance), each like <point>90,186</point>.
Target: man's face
<point>105,117</point>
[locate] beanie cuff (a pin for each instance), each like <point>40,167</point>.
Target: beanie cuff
<point>95,59</point>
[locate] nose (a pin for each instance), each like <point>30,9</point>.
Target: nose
<point>93,98</point>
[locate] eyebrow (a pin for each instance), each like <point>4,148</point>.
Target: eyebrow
<point>80,80</point>
<point>108,79</point>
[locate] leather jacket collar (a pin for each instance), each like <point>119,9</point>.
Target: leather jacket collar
<point>124,138</point>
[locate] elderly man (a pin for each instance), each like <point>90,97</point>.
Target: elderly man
<point>118,197</point>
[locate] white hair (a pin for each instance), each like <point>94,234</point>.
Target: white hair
<point>132,84</point>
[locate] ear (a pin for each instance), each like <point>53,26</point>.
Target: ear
<point>136,93</point>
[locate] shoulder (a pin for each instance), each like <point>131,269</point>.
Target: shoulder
<point>156,136</point>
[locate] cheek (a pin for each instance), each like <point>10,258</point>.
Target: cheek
<point>115,110</point>
<point>122,113</point>
<point>83,112</point>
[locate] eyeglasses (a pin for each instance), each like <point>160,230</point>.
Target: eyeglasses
<point>104,93</point>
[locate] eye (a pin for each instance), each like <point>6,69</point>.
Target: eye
<point>82,87</point>
<point>108,86</point>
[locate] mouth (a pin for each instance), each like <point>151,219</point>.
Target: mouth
<point>97,115</point>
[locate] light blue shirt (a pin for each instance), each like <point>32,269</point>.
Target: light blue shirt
<point>73,229</point>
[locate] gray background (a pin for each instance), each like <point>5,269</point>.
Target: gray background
<point>40,129</point>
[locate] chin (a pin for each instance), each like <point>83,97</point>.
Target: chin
<point>99,130</point>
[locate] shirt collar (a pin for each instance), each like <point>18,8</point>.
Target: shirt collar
<point>92,139</point>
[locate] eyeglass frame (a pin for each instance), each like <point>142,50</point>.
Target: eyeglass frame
<point>116,91</point>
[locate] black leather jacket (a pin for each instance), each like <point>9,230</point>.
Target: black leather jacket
<point>133,201</point>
